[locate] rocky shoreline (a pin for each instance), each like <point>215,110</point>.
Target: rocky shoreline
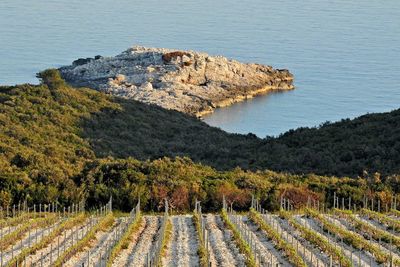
<point>187,81</point>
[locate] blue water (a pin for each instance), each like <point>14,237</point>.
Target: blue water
<point>345,54</point>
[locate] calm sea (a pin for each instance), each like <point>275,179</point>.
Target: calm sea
<point>345,54</point>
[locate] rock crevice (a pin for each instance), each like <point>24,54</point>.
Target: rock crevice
<point>187,81</point>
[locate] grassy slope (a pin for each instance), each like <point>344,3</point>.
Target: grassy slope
<point>48,132</point>
<point>40,138</point>
<point>151,132</point>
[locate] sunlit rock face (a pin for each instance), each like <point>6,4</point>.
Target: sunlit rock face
<point>187,81</point>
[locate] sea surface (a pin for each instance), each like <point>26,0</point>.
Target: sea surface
<point>345,54</point>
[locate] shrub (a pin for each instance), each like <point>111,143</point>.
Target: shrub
<point>168,57</point>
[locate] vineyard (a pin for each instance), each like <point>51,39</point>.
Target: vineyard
<point>48,235</point>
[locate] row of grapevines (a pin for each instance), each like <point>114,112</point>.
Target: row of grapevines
<point>317,240</point>
<point>280,243</point>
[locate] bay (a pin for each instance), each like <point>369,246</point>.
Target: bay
<point>345,55</point>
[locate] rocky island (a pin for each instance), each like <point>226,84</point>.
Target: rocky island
<point>187,81</point>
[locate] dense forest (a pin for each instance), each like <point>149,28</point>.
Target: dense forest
<point>59,143</point>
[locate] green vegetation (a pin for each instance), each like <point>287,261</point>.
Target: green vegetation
<point>126,238</point>
<point>166,240</point>
<point>104,224</point>
<point>13,221</point>
<point>351,238</point>
<point>364,227</point>
<point>40,143</point>
<point>318,240</point>
<point>62,144</point>
<point>182,181</point>
<point>279,242</point>
<point>395,212</point>
<point>66,225</point>
<point>382,218</point>
<point>19,233</point>
<point>244,248</point>
<point>201,250</point>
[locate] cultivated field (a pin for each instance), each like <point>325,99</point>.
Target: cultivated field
<point>72,237</point>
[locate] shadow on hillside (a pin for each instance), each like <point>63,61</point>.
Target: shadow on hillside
<point>345,148</point>
<point>148,132</point>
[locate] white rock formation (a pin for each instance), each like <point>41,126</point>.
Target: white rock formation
<point>187,81</point>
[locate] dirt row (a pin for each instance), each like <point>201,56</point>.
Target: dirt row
<point>141,243</point>
<point>223,251</point>
<point>269,254</point>
<point>89,256</point>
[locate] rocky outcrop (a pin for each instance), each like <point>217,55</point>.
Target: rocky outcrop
<point>187,81</point>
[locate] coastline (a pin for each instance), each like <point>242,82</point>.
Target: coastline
<point>240,98</point>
